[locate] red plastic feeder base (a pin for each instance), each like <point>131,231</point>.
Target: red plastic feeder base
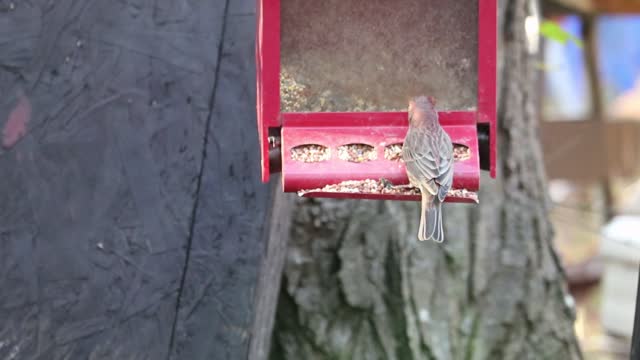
<point>351,155</point>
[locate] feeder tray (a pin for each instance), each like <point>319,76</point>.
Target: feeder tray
<point>334,79</point>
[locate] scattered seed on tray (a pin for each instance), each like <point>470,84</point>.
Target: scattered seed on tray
<point>464,194</point>
<point>382,186</point>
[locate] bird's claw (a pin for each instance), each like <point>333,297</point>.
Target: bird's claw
<point>386,183</point>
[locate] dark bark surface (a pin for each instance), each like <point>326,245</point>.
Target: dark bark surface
<point>359,285</point>
<point>266,300</point>
<point>132,218</point>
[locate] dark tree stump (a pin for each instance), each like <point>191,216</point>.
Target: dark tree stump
<point>132,223</point>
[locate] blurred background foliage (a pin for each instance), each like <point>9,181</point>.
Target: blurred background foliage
<point>590,120</point>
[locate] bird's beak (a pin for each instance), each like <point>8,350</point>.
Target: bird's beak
<point>412,105</point>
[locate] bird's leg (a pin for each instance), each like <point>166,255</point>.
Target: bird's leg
<point>388,184</point>
<point>405,186</point>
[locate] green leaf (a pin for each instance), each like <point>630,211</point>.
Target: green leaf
<point>553,31</point>
<point>546,66</point>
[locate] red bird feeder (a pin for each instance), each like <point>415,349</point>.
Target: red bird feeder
<point>334,80</point>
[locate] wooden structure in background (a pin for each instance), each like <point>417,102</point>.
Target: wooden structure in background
<point>574,149</point>
<point>594,149</point>
<point>600,6</point>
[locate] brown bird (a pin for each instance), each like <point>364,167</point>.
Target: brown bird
<point>428,155</point>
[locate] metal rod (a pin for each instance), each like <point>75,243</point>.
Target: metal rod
<point>635,337</point>
<point>275,153</point>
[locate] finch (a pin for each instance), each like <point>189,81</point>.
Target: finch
<point>428,155</point>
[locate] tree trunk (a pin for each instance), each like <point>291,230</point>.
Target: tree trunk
<point>358,284</point>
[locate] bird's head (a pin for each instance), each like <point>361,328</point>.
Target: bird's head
<point>422,109</point>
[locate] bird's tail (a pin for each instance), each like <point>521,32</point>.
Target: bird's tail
<point>431,219</point>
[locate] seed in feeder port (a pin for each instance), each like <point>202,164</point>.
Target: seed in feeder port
<point>291,93</point>
<point>310,153</point>
<point>461,152</point>
<point>393,152</point>
<point>357,153</point>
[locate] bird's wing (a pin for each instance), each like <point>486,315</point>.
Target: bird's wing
<point>445,179</point>
<point>444,182</point>
<point>422,160</point>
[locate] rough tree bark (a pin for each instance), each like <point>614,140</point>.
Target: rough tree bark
<point>358,285</point>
